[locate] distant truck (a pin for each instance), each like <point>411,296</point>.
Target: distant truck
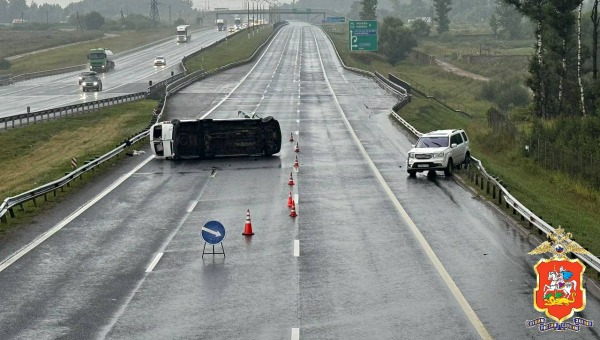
<point>238,23</point>
<point>184,33</point>
<point>101,60</point>
<point>221,25</point>
<point>210,138</point>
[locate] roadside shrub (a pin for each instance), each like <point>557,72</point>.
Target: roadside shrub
<point>4,64</point>
<point>506,93</point>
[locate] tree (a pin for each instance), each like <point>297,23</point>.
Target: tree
<point>355,9</point>
<point>596,23</point>
<point>369,9</point>
<point>4,11</point>
<point>16,9</point>
<point>494,24</point>
<point>420,28</point>
<point>442,10</point>
<point>579,58</point>
<point>395,40</point>
<point>93,21</point>
<point>509,20</point>
<point>538,69</point>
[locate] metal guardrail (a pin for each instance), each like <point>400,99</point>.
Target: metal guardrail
<point>201,74</point>
<point>11,202</point>
<point>510,201</point>
<point>38,116</point>
<point>171,87</point>
<point>526,214</point>
<point>26,76</point>
<point>519,208</point>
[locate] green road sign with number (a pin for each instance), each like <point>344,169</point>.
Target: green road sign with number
<point>363,35</point>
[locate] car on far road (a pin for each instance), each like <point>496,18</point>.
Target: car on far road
<point>439,150</point>
<point>231,29</point>
<point>82,75</point>
<point>92,83</point>
<point>160,61</point>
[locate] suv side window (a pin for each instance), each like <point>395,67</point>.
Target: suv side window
<point>464,136</point>
<point>456,139</point>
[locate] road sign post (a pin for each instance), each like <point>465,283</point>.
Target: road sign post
<point>213,232</point>
<point>363,35</point>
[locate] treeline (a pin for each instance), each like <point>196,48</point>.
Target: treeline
<point>563,70</point>
<point>116,10</point>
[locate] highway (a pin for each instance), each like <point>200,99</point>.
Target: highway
<point>132,74</point>
<point>372,254</point>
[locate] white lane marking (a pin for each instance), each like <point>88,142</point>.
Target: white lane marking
<point>21,252</point>
<point>192,206</point>
<point>296,196</point>
<point>115,317</point>
<point>243,79</point>
<point>154,262</point>
<point>464,304</point>
<point>296,248</point>
<point>295,333</point>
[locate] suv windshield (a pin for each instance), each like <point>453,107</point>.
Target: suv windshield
<point>432,142</point>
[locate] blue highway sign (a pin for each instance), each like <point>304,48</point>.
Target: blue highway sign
<point>213,232</point>
<point>330,20</point>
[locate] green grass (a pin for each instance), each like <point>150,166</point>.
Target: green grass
<point>29,164</point>
<point>77,54</point>
<point>17,42</point>
<point>40,153</point>
<point>558,199</point>
<point>238,47</point>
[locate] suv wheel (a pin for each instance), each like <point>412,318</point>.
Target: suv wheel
<point>412,173</point>
<point>449,168</point>
<point>467,159</point>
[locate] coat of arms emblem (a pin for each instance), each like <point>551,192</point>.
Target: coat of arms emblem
<point>559,292</point>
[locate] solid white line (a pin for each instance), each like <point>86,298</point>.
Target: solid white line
<point>192,206</point>
<point>21,252</point>
<point>296,248</point>
<point>295,333</point>
<point>243,79</point>
<point>296,197</point>
<point>154,262</point>
<point>462,301</point>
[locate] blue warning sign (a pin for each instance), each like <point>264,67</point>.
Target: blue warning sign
<point>213,232</point>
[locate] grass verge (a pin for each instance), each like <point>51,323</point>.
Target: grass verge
<point>555,197</point>
<point>77,54</point>
<point>237,47</point>
<point>29,163</point>
<point>40,153</point>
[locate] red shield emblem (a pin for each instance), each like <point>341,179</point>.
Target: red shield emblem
<point>559,292</point>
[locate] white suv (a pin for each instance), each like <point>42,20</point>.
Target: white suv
<point>439,150</point>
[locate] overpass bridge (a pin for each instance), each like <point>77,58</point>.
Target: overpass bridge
<point>270,14</point>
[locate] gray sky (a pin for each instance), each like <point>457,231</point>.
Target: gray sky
<point>200,4</point>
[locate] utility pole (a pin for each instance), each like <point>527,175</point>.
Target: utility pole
<point>154,15</point>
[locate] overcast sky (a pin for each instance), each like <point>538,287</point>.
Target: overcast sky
<point>200,4</point>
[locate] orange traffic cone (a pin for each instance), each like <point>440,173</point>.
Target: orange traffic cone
<point>290,200</point>
<point>293,211</point>
<point>297,148</point>
<point>296,164</point>
<point>248,225</point>
<point>291,136</point>
<point>291,180</point>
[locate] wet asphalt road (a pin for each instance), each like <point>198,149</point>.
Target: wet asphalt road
<point>350,266</point>
<point>132,74</point>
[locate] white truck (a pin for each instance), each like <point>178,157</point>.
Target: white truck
<point>210,138</point>
<point>221,25</point>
